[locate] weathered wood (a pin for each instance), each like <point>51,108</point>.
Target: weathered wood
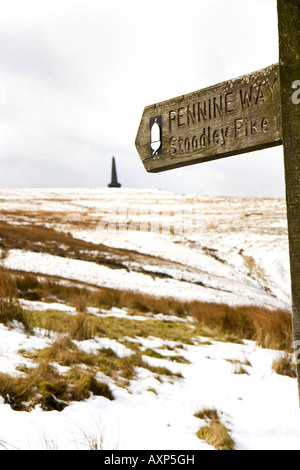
<point>289,54</point>
<point>234,117</point>
<point>295,2</point>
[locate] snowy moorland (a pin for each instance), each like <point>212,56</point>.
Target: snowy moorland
<point>224,251</point>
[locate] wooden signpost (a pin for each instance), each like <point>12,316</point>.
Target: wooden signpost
<point>249,113</point>
<point>289,56</point>
<point>230,118</point>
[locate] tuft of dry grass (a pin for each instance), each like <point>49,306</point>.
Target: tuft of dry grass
<point>214,433</point>
<point>10,308</point>
<point>207,414</point>
<point>285,366</point>
<point>217,435</point>
<point>82,327</point>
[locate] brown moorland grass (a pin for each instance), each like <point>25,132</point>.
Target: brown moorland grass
<point>44,386</point>
<point>10,309</point>
<point>269,328</point>
<point>41,287</point>
<point>66,353</point>
<point>41,239</point>
<point>87,326</point>
<point>121,369</point>
<point>81,219</point>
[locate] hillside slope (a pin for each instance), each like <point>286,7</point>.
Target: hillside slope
<point>89,276</point>
<point>210,249</point>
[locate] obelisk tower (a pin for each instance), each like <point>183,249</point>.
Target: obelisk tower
<point>114,180</point>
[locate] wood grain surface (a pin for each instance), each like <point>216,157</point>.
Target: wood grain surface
<point>233,117</point>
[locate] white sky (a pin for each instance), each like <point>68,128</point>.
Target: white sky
<point>75,76</point>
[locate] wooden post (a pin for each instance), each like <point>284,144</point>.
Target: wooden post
<point>289,58</point>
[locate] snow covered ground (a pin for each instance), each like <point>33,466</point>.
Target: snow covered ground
<point>259,409</point>
<point>232,250</point>
<point>226,250</point>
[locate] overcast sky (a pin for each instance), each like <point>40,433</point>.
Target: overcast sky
<point>75,76</point>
